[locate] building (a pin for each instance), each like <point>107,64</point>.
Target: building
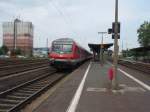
<point>18,35</point>
<point>40,52</point>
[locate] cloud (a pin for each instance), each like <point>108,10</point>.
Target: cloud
<point>77,19</point>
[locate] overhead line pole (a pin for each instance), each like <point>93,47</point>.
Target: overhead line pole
<point>15,35</point>
<point>101,47</point>
<point>116,48</point>
<point>47,42</point>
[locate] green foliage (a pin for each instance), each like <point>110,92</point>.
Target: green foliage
<point>3,50</point>
<point>124,53</point>
<point>144,34</point>
<point>129,53</point>
<point>18,51</point>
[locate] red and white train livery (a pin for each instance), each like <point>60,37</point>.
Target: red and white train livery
<point>65,53</point>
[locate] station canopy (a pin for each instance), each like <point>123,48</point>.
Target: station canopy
<point>97,47</point>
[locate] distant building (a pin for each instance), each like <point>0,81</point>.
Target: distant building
<point>18,35</point>
<point>40,52</point>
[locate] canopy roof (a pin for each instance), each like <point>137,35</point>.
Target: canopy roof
<point>97,47</point>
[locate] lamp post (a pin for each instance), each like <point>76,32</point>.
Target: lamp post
<point>101,50</point>
<point>116,48</point>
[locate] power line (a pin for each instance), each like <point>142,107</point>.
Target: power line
<point>65,18</point>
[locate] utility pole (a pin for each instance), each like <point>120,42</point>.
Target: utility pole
<point>47,44</point>
<point>122,45</point>
<point>15,35</point>
<point>102,46</point>
<point>116,48</point>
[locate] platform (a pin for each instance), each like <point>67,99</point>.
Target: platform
<point>88,90</point>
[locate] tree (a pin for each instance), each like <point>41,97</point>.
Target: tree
<point>124,53</point>
<point>1,51</point>
<point>144,34</point>
<point>4,50</point>
<point>18,51</point>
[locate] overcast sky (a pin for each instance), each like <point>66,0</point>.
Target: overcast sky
<point>77,19</point>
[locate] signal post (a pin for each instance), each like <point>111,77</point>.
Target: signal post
<point>115,31</point>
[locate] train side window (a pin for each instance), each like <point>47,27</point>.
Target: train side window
<point>77,51</point>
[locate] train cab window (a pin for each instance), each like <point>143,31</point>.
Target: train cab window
<point>62,48</point>
<point>67,48</point>
<point>56,48</point>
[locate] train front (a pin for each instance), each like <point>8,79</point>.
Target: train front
<point>61,55</point>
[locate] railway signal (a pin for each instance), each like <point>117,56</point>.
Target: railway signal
<point>109,31</point>
<point>113,27</point>
<point>112,30</point>
<point>113,36</point>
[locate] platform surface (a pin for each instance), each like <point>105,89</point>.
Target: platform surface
<point>96,95</point>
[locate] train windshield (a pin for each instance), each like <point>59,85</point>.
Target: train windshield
<point>62,48</point>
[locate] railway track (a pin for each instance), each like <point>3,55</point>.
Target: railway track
<point>9,62</point>
<point>15,99</point>
<point>143,67</point>
<point>12,69</point>
<point>13,80</point>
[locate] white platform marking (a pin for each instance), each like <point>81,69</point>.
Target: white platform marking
<point>97,89</point>
<point>135,79</point>
<point>123,88</point>
<point>73,105</point>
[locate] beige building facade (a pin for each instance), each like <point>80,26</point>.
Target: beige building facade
<point>18,35</point>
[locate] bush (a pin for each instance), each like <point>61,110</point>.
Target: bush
<point>3,50</point>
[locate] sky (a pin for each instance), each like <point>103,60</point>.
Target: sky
<point>77,19</point>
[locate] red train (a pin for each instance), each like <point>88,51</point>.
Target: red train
<point>66,53</point>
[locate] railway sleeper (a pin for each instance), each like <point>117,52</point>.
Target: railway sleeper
<point>6,106</point>
<point>13,97</point>
<point>42,83</point>
<point>25,92</point>
<point>21,94</point>
<point>3,72</point>
<point>30,89</point>
<point>3,110</point>
<point>36,86</point>
<point>9,101</point>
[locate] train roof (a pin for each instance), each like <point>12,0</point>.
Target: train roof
<point>64,39</point>
<point>67,41</point>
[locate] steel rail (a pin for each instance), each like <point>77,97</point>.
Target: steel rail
<point>16,64</point>
<point>23,68</point>
<point>142,67</point>
<point>23,72</point>
<point>16,98</point>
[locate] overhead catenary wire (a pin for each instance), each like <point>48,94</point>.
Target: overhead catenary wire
<point>64,17</point>
<point>67,20</point>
